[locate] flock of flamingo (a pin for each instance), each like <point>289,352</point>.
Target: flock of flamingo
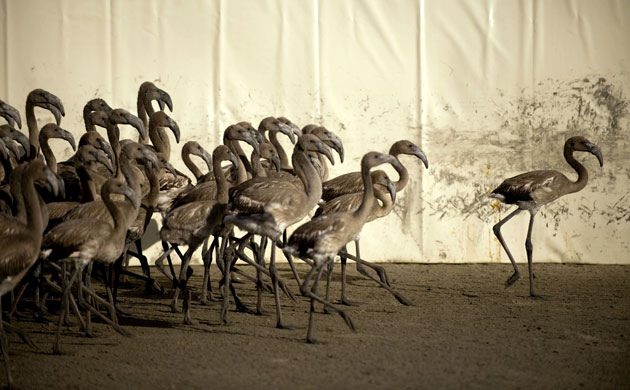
<point>63,220</point>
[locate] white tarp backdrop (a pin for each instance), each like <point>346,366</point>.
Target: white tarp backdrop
<point>488,89</point>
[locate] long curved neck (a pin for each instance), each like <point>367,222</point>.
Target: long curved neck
<point>282,155</point>
<point>238,150</point>
<point>381,210</point>
<point>87,184</point>
<point>32,205</point>
<point>33,129</point>
<point>89,126</point>
<point>308,175</point>
<point>367,202</point>
<point>159,139</point>
<point>143,115</point>
<point>222,184</point>
<point>131,173</point>
<point>115,144</point>
<point>49,156</point>
<point>257,168</point>
<point>154,192</point>
<point>403,178</point>
<point>15,186</point>
<point>576,186</point>
<point>241,170</point>
<point>191,165</point>
<point>120,221</point>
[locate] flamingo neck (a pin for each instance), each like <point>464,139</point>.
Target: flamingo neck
<point>222,184</point>
<point>308,175</point>
<point>381,210</point>
<point>33,129</point>
<point>363,212</point>
<point>49,156</point>
<point>112,137</point>
<point>120,221</point>
<point>282,155</point>
<point>191,165</point>
<point>159,139</point>
<point>403,174</point>
<point>32,207</point>
<point>576,186</point>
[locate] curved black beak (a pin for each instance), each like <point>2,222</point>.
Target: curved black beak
<point>420,154</point>
<point>11,114</point>
<point>594,149</point>
<point>288,131</point>
<point>391,188</point>
<point>66,135</point>
<point>165,99</point>
<point>130,119</point>
<point>323,149</point>
<point>175,128</point>
<point>334,142</point>
<point>106,148</point>
<point>101,157</point>
<point>169,167</point>
<point>130,195</point>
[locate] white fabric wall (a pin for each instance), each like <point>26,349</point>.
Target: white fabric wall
<point>487,88</point>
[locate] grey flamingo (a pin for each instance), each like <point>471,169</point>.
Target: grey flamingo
<point>532,190</point>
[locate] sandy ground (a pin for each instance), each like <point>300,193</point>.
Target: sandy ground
<point>464,331</point>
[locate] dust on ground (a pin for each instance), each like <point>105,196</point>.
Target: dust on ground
<point>464,331</point>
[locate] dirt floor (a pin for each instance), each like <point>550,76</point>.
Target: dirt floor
<point>464,331</point>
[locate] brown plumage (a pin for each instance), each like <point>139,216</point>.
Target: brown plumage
<point>83,184</point>
<point>191,223</point>
<point>272,126</point>
<point>20,241</point>
<point>531,190</point>
<point>147,93</point>
<point>192,148</point>
<point>351,182</point>
<point>267,206</point>
<point>89,239</point>
<point>321,238</point>
<point>384,191</point>
<point>208,190</point>
<point>98,209</point>
<point>45,100</point>
<point>53,130</point>
<point>11,114</point>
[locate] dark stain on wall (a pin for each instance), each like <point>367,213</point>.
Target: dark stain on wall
<point>530,134</point>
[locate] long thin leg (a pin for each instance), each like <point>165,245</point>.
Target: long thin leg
<point>309,331</point>
<point>276,295</point>
<point>329,273</point>
<point>183,283</point>
<point>4,345</point>
<point>260,259</point>
<point>362,270</point>
<point>529,249</point>
<point>344,298</point>
<point>304,290</point>
<point>67,286</point>
<point>207,262</point>
<point>497,232</point>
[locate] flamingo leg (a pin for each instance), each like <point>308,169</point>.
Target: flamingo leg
<point>276,295</point>
<point>305,291</point>
<point>260,259</point>
<point>497,232</point>
<point>363,271</point>
<point>4,345</point>
<point>529,249</point>
<point>184,275</point>
<point>207,262</point>
<point>344,299</point>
